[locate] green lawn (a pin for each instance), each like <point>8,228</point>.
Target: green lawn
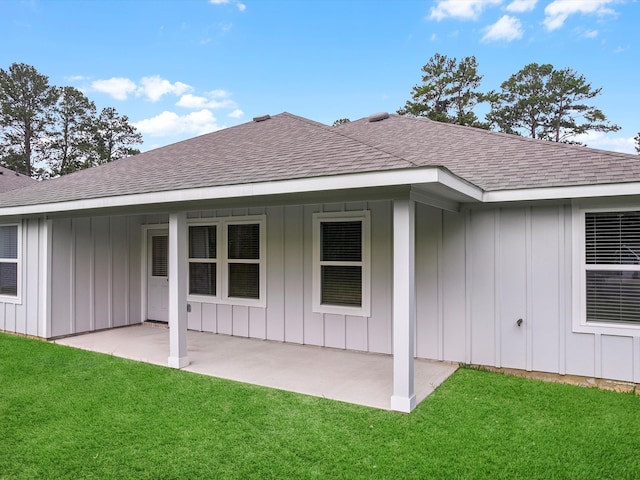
<point>67,413</point>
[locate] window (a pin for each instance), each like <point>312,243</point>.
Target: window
<point>9,246</point>
<point>160,256</point>
<point>243,243</point>
<point>606,275</point>
<point>203,260</point>
<point>227,261</point>
<point>612,267</point>
<point>341,263</point>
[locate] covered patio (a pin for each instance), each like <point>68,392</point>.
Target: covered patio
<point>348,376</point>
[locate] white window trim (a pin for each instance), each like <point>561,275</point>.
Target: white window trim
<point>17,299</point>
<point>222,262</point>
<point>317,306</point>
<point>579,272</point>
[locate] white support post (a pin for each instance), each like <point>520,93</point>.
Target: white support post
<point>44,260</point>
<point>404,305</point>
<point>178,290</point>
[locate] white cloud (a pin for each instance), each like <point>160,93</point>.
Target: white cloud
<point>155,87</point>
<point>119,88</point>
<point>521,6</point>
<point>237,113</point>
<point>462,9</point>
<point>606,141</point>
<point>170,123</point>
<point>210,101</point>
<point>75,78</point>
<point>241,6</point>
<point>559,10</point>
<point>590,34</point>
<point>507,28</point>
<point>219,93</point>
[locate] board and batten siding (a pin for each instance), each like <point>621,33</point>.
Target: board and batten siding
<point>95,272</point>
<point>23,317</point>
<point>481,270</point>
<point>288,316</point>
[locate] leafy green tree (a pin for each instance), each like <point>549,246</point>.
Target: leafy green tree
<point>637,139</point>
<point>26,115</point>
<point>542,102</point>
<point>72,140</point>
<point>340,121</point>
<point>113,137</point>
<point>448,93</point>
<point>47,131</point>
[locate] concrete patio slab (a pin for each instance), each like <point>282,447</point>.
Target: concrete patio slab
<point>348,376</point>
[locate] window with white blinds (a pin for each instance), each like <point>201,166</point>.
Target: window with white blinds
<point>160,256</point>
<point>243,258</point>
<point>612,267</point>
<point>341,263</point>
<point>226,260</point>
<point>9,246</point>
<point>203,259</point>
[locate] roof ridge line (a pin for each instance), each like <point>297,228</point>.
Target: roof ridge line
<point>333,130</point>
<point>338,132</point>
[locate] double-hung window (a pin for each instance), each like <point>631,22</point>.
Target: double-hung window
<point>341,263</point>
<point>610,269</point>
<point>243,260</point>
<point>9,261</point>
<point>227,261</point>
<point>203,259</point>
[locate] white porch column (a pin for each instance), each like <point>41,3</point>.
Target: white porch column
<point>178,290</point>
<point>404,305</point>
<point>44,282</point>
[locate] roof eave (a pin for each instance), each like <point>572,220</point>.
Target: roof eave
<point>562,192</point>
<point>422,176</point>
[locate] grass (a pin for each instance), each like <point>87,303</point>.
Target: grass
<point>67,413</point>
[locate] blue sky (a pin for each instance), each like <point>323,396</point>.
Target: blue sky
<point>182,68</point>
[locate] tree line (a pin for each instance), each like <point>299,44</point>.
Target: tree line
<point>47,131</point>
<point>539,101</point>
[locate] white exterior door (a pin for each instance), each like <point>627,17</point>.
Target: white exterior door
<point>158,275</point>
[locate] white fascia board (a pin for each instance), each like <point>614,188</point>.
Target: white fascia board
<point>553,193</point>
<point>303,185</point>
<point>458,184</point>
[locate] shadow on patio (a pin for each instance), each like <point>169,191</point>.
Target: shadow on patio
<point>353,377</point>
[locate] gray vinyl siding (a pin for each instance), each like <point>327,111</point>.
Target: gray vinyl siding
<point>24,317</point>
<point>288,315</point>
<point>480,270</point>
<point>477,272</point>
<point>95,271</point>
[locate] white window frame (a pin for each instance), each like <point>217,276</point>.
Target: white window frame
<point>222,262</point>
<point>317,306</point>
<point>580,267</point>
<point>17,298</point>
<point>215,261</point>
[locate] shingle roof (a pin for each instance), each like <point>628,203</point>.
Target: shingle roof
<point>491,160</point>
<point>288,147</point>
<point>283,147</point>
<point>10,180</point>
